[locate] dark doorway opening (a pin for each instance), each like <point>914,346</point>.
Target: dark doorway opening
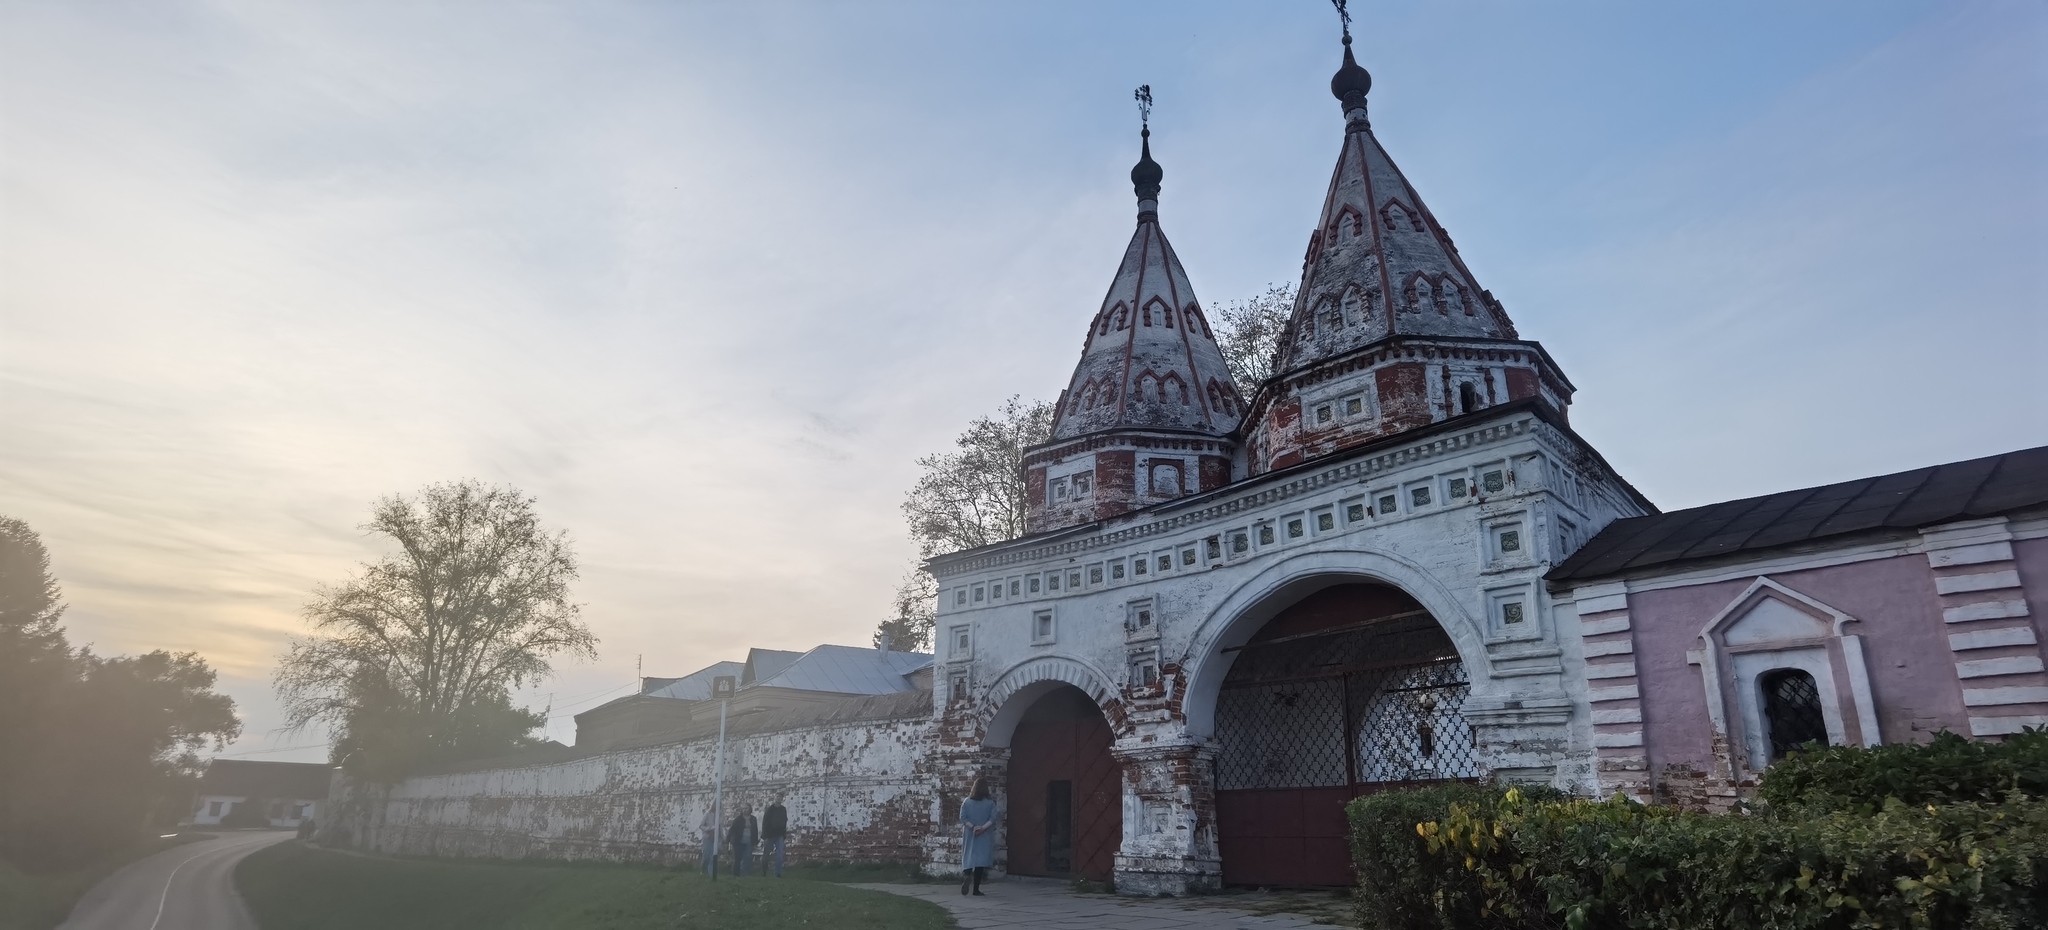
<point>1065,790</point>
<point>1059,827</point>
<point>1354,689</point>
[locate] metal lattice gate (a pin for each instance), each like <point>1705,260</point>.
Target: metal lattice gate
<point>1310,721</point>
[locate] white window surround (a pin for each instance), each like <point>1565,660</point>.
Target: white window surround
<point>1767,627</point>
<point>962,643</point>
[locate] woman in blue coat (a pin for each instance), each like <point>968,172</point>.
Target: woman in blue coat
<point>977,837</point>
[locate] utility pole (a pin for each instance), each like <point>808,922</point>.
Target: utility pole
<point>718,792</point>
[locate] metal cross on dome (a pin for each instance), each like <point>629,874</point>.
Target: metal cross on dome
<point>1144,98</point>
<point>1344,16</point>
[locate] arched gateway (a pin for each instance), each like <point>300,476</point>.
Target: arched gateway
<point>1352,689</point>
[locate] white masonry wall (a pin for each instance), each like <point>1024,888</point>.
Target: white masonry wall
<point>856,790</point>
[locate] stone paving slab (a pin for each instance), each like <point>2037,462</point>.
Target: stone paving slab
<point>1017,905</point>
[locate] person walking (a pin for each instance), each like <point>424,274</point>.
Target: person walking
<point>708,826</point>
<point>745,834</point>
<point>774,834</point>
<point>977,837</point>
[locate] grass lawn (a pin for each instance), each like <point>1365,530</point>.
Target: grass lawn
<point>37,900</point>
<point>291,886</point>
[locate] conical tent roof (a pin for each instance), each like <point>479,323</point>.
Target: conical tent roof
<point>1379,264</point>
<point>1150,360</point>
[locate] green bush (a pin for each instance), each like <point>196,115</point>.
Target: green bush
<point>1592,865</point>
<point>1401,886</point>
<point>1950,833</point>
<point>1947,770</point>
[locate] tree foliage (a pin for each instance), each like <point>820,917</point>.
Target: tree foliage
<point>96,749</point>
<point>972,496</point>
<point>1248,331</point>
<point>414,659</point>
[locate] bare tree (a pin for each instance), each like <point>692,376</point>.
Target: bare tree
<point>1248,331</point>
<point>970,497</point>
<point>414,659</point>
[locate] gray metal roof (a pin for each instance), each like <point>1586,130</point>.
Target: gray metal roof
<point>763,664</point>
<point>696,686</point>
<point>849,670</point>
<point>1907,500</point>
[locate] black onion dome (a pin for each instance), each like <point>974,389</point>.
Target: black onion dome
<point>1146,174</point>
<point>1350,79</point>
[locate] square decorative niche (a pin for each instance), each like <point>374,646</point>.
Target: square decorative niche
<point>1142,565</point>
<point>1457,488</point>
<point>1165,560</point>
<point>1097,573</point>
<point>1240,543</point>
<point>980,593</point>
<point>1297,527</point>
<point>1493,479</point>
<point>1213,548</point>
<point>1324,520</point>
<point>961,642</point>
<point>1032,583</point>
<point>1386,503</point>
<point>1044,628</point>
<point>1419,495</point>
<point>1354,510</point>
<point>1073,578</point>
<point>959,597</point>
<point>1508,543</point>
<point>1116,570</point>
<point>1141,618</point>
<point>1354,406</point>
<point>1144,669</point>
<point>1017,587</point>
<point>1265,534</point>
<point>1187,556</point>
<point>1511,614</point>
<point>1052,581</point>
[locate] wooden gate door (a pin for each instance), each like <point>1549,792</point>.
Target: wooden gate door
<point>1065,790</point>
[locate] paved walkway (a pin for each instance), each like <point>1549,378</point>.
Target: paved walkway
<point>189,887</point>
<point>1052,905</point>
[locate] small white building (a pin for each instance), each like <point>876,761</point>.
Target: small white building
<point>290,793</point>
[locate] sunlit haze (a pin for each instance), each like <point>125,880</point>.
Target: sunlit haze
<point>707,279</point>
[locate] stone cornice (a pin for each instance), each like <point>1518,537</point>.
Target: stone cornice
<point>1137,439</point>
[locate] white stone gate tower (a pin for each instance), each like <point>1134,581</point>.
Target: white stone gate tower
<point>1231,616</point>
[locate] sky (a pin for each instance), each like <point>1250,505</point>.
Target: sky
<point>706,279</point>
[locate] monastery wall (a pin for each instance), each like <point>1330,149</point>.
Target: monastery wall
<point>855,777</point>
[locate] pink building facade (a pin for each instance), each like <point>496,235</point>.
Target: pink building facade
<point>1876,611</point>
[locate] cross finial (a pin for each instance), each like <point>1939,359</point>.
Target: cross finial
<point>1144,97</point>
<point>1344,17</point>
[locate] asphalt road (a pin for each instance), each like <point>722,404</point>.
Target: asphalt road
<point>188,887</point>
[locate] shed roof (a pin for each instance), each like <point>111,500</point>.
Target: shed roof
<point>293,781</point>
<point>1906,500</point>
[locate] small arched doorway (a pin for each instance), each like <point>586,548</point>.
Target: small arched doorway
<point>1065,789</point>
<point>1351,690</point>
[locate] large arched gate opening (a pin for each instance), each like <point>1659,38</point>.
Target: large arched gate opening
<point>1065,789</point>
<point>1353,689</point>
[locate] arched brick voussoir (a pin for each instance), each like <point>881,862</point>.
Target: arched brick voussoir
<point>1013,692</point>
